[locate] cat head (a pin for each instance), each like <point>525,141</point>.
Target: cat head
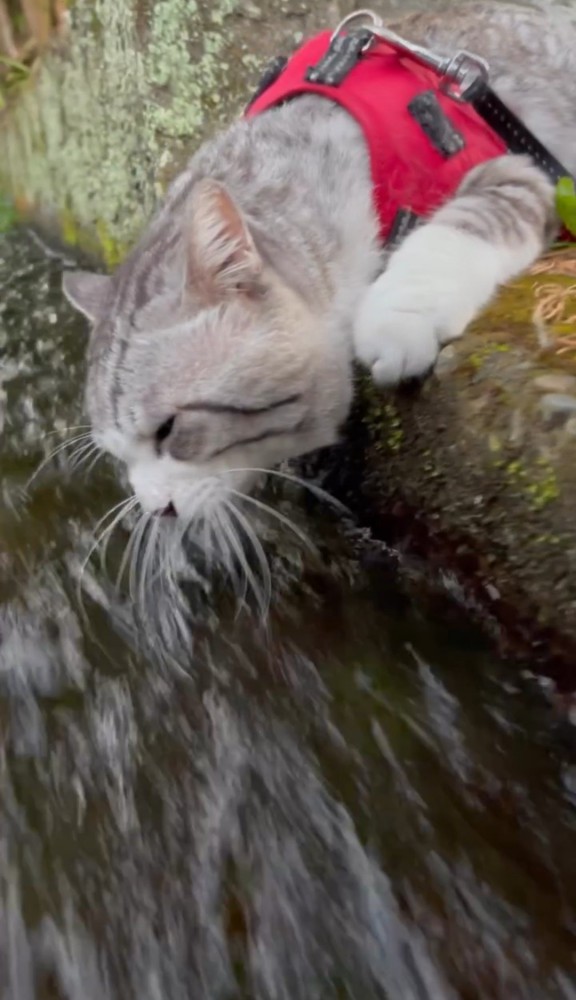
<point>204,364</point>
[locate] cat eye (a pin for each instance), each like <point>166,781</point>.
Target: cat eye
<point>164,430</point>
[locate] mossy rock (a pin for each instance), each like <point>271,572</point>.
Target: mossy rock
<point>475,470</point>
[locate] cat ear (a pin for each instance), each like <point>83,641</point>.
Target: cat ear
<point>221,255</point>
<point>86,291</point>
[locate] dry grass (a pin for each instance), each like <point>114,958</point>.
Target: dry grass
<point>555,305</point>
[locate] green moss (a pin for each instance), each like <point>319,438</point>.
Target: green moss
<point>537,481</point>
<point>384,421</point>
<point>545,488</point>
<point>486,351</point>
<point>394,432</point>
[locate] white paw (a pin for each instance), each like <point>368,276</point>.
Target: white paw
<point>435,283</point>
<point>394,343</point>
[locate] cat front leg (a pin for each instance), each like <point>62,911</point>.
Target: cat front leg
<point>446,271</point>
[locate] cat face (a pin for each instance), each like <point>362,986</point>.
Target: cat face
<point>217,371</point>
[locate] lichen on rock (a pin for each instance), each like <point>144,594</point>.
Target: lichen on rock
<point>123,96</point>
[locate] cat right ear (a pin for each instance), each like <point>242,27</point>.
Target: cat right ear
<point>86,291</point>
<point>222,258</point>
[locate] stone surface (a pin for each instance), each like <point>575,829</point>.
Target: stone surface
<point>555,382</point>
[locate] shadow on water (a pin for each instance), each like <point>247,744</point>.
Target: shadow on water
<point>351,802</point>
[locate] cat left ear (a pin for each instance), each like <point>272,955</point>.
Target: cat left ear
<point>221,254</point>
<point>86,291</point>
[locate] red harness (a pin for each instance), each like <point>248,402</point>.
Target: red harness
<point>381,91</point>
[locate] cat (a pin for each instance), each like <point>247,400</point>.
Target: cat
<point>224,344</point>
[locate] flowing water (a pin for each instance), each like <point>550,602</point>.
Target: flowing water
<point>350,801</point>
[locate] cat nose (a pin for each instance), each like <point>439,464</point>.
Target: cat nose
<point>168,511</point>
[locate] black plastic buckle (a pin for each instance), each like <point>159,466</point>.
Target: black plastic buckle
<point>342,55</point>
<point>272,71</point>
<point>403,223</point>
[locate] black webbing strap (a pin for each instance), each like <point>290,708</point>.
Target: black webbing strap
<point>508,126</point>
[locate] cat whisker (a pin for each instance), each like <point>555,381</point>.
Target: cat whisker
<point>277,515</point>
<point>150,552</point>
<point>83,454</point>
<point>63,430</point>
<point>55,451</point>
<point>174,544</point>
<point>237,549</point>
<point>106,535</point>
<point>139,534</point>
<point>238,579</point>
<point>317,491</point>
<point>116,513</point>
<point>126,556</point>
<point>94,462</point>
<point>81,449</point>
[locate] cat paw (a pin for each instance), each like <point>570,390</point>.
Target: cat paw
<point>434,284</point>
<point>394,343</point>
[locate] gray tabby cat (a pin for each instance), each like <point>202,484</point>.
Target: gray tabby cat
<point>224,344</point>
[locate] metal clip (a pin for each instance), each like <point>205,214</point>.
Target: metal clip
<point>458,73</point>
<point>359,15</point>
<point>463,73</point>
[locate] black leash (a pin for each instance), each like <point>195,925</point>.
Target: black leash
<point>518,138</point>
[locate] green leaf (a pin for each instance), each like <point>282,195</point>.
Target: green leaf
<point>566,203</point>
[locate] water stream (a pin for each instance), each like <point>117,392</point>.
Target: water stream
<point>352,801</point>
